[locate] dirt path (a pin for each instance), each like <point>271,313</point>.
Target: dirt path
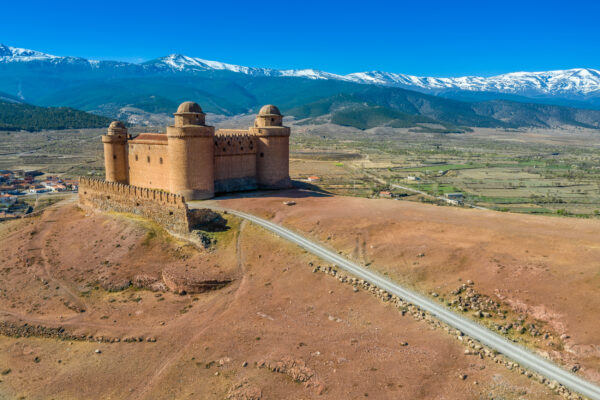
<point>144,388</point>
<point>37,247</point>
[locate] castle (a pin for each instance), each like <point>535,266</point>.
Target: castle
<point>194,161</point>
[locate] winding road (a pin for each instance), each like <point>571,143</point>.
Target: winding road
<point>476,331</point>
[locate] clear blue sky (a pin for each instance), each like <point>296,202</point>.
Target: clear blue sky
<point>434,38</point>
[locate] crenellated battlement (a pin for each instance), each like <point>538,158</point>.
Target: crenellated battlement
<point>232,132</point>
<point>134,192</point>
<point>167,209</point>
<point>230,142</point>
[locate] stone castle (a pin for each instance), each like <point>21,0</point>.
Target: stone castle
<point>194,161</point>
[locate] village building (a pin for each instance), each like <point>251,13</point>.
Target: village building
<point>193,160</point>
<point>455,198</point>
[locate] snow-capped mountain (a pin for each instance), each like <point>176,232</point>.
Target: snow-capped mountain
<point>577,83</point>
<point>181,63</point>
<point>14,54</point>
<point>571,82</point>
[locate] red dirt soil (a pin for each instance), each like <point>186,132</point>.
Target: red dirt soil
<point>303,335</point>
<point>543,267</point>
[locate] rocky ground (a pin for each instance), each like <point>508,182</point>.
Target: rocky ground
<point>87,311</point>
<point>534,279</point>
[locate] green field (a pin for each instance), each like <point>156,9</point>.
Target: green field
<point>538,172</point>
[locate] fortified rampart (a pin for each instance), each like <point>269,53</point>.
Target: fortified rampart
<point>166,209</point>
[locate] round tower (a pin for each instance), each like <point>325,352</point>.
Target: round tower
<point>115,153</point>
<point>273,149</point>
<point>191,153</point>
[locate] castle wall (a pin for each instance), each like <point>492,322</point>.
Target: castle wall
<point>166,209</point>
<point>272,165</point>
<point>149,164</point>
<point>235,161</point>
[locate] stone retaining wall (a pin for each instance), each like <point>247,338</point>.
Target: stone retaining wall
<point>166,209</point>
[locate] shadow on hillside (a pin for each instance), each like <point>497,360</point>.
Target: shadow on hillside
<point>300,190</point>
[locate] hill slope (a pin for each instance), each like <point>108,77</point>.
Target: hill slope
<point>16,116</point>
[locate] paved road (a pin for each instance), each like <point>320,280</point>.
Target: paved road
<point>476,331</point>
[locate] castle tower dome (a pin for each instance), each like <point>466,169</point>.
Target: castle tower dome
<point>269,115</point>
<point>191,153</point>
<point>273,149</point>
<point>189,113</point>
<point>115,153</point>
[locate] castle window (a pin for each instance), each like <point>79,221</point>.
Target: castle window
<point>262,155</point>
<point>161,160</point>
<point>272,119</point>
<point>242,148</point>
<point>224,149</point>
<point>148,158</point>
<point>114,156</point>
<point>136,157</point>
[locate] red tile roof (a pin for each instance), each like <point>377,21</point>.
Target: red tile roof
<point>150,136</point>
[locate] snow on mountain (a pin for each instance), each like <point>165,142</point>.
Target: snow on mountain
<point>181,63</point>
<point>577,82</point>
<point>17,55</point>
<point>14,54</point>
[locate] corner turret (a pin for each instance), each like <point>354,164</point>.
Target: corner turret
<point>273,149</point>
<point>115,152</point>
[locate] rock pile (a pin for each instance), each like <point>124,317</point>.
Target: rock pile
<point>466,298</point>
<point>471,300</point>
<point>181,282</point>
<point>244,391</point>
<point>11,329</point>
<point>295,369</point>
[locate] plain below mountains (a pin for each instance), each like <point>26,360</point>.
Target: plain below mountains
<point>112,88</point>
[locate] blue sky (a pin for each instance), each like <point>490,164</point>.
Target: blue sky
<point>433,38</point>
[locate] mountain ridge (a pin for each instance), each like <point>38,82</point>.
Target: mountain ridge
<point>572,83</point>
<point>127,91</point>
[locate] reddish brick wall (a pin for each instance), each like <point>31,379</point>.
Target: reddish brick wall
<point>149,164</point>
